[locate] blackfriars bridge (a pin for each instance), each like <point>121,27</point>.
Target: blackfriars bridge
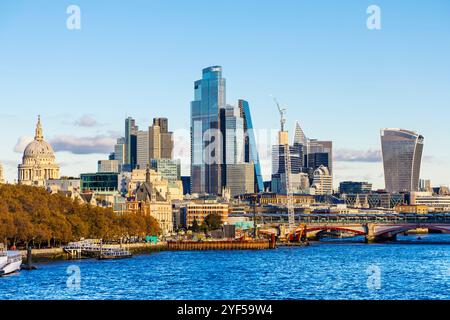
<point>374,227</point>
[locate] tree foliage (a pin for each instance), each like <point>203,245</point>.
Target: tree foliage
<point>30,214</point>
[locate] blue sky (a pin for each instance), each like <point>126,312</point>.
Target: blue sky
<point>342,81</point>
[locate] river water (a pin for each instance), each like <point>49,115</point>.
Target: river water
<point>344,270</point>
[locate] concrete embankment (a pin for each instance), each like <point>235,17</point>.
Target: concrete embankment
<point>52,254</point>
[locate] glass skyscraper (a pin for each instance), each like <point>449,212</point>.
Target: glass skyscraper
<point>131,142</point>
<point>206,142</point>
<point>402,156</point>
<point>251,150</point>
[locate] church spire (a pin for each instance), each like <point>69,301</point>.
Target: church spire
<point>39,135</point>
<point>147,174</point>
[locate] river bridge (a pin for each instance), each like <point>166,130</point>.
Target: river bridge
<point>373,226</point>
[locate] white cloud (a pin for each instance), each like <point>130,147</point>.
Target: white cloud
<point>84,145</point>
<point>357,155</point>
<point>22,143</point>
<point>86,120</point>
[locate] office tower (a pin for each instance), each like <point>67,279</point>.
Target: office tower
<point>315,160</point>
<point>323,181</point>
<point>402,156</point>
<point>240,178</point>
<point>238,174</point>
<point>321,148</point>
<point>120,151</point>
<point>186,180</point>
<point>143,154</point>
<point>300,137</point>
<point>251,149</point>
<point>354,187</point>
<point>278,164</point>
<point>131,142</point>
<point>168,169</point>
<point>234,136</point>
<point>111,166</point>
<point>160,140</point>
<point>425,185</point>
<point>206,143</point>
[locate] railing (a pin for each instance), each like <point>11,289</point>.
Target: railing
<point>387,218</point>
<point>89,246</point>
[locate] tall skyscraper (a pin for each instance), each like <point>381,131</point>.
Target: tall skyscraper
<point>251,149</point>
<point>234,136</point>
<point>120,151</point>
<point>299,136</point>
<point>160,139</point>
<point>325,148</point>
<point>131,142</point>
<point>402,156</point>
<point>206,130</point>
<point>143,154</point>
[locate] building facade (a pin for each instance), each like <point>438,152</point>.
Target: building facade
<point>323,181</point>
<point>110,166</point>
<point>38,162</point>
<point>131,142</point>
<point>99,182</point>
<point>206,143</point>
<point>148,200</point>
<point>143,149</point>
<point>240,178</point>
<point>198,211</point>
<point>402,156</point>
<point>168,169</point>
<point>251,148</point>
<point>354,187</point>
<point>161,140</point>
<point>120,151</point>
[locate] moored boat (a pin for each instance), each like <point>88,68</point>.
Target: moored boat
<point>3,256</point>
<point>13,263</point>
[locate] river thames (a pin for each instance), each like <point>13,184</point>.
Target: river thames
<point>321,271</point>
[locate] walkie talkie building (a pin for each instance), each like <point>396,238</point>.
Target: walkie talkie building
<point>402,156</point>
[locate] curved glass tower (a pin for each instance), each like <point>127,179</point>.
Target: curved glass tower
<point>402,156</point>
<point>206,142</point>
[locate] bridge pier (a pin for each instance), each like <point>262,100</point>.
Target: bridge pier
<point>369,228</point>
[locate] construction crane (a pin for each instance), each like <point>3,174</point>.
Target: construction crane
<point>282,112</point>
<point>287,167</point>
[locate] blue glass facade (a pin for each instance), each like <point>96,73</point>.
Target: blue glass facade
<point>251,150</point>
<point>206,140</point>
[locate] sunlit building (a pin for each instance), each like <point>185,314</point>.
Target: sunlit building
<point>38,162</point>
<point>323,181</point>
<point>209,98</point>
<point>402,156</point>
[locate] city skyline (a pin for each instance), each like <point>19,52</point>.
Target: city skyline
<point>385,81</point>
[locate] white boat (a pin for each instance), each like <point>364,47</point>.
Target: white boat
<point>10,263</point>
<point>3,256</point>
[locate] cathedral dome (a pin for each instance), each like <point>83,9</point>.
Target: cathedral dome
<point>38,163</point>
<point>39,148</point>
